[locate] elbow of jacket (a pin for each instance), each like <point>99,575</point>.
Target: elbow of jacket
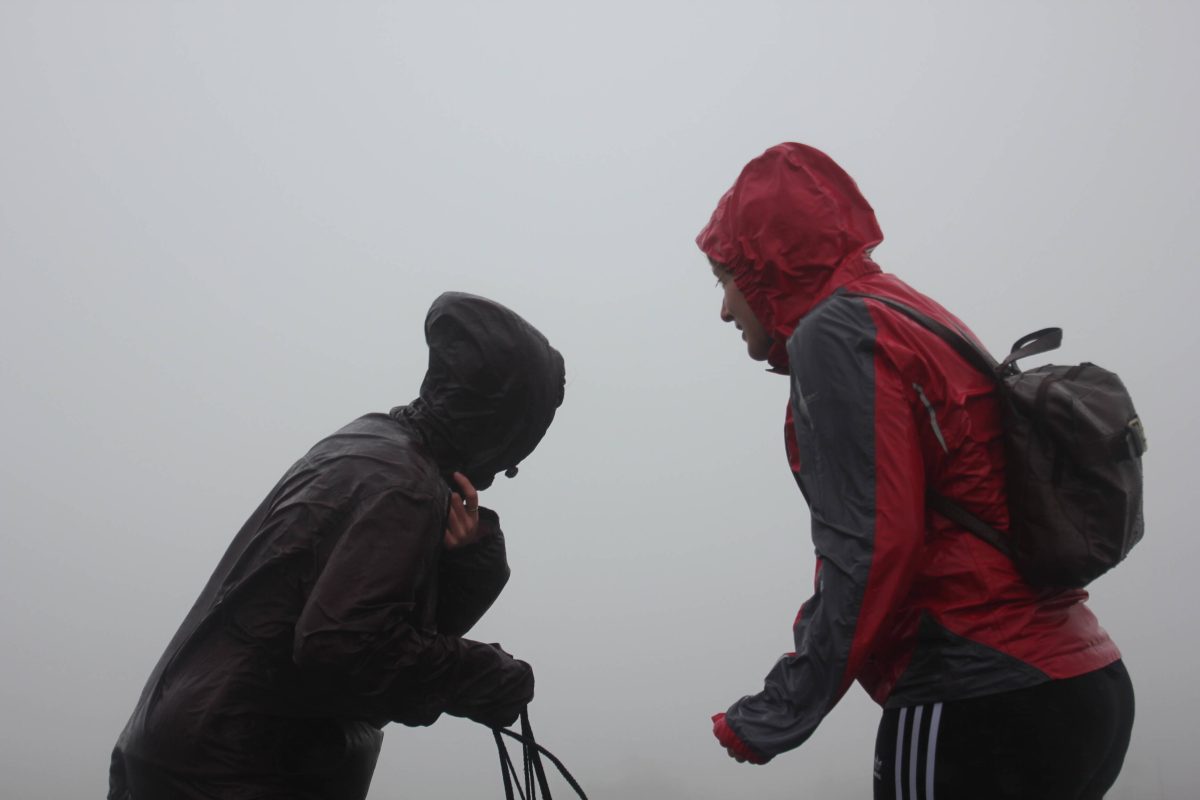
<point>304,655</point>
<point>357,655</point>
<point>313,651</point>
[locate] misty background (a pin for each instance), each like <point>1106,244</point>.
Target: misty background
<point>221,225</point>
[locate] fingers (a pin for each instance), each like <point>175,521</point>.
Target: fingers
<point>469,497</point>
<point>456,522</point>
<point>462,521</point>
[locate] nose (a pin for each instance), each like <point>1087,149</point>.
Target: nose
<point>725,315</point>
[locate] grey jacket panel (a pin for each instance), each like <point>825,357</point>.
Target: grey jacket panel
<point>947,665</point>
<point>831,356</point>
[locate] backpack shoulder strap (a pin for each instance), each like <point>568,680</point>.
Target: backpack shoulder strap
<point>983,361</point>
<point>963,345</point>
<point>956,513</point>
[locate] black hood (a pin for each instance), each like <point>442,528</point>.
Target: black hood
<point>491,390</point>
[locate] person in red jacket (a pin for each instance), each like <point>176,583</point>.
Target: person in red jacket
<point>989,687</point>
<point>344,601</point>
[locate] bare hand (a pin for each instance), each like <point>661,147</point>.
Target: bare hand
<point>462,524</point>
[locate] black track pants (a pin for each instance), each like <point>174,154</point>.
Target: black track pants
<point>1064,740</point>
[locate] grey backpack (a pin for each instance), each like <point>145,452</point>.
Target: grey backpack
<point>1074,444</point>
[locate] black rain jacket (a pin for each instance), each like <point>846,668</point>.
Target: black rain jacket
<point>336,608</point>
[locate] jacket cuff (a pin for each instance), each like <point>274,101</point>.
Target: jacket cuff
<point>731,741</point>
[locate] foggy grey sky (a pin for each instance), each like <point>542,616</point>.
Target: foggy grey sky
<point>221,225</point>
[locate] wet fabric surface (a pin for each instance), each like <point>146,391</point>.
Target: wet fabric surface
<point>336,609</point>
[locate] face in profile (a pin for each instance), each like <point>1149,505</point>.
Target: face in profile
<point>735,309</point>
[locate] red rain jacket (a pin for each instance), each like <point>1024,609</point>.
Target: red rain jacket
<point>882,411</point>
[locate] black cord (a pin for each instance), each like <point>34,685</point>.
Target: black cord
<point>533,754</point>
<point>533,765</point>
<point>507,771</point>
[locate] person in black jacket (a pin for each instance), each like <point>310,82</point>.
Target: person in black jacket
<point>342,603</point>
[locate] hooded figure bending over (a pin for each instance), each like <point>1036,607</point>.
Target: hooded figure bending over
<point>342,603</point>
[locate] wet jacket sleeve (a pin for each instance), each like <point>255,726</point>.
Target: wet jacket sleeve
<point>356,630</point>
<point>862,471</point>
<point>471,578</point>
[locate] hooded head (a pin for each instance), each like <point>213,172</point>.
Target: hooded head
<point>791,230</point>
<point>491,390</point>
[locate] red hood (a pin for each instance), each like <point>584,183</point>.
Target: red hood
<point>793,228</point>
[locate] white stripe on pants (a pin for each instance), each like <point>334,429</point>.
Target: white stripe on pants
<point>908,729</point>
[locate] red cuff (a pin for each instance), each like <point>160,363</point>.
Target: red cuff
<point>730,741</point>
